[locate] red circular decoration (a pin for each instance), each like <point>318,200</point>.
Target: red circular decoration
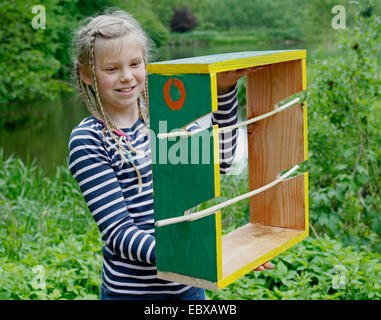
<point>174,105</point>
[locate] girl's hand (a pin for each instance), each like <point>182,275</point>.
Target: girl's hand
<point>226,80</point>
<point>267,265</point>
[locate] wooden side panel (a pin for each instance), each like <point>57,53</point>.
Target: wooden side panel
<point>197,101</point>
<point>188,248</point>
<point>184,174</point>
<point>181,166</point>
<point>276,143</point>
<point>282,205</point>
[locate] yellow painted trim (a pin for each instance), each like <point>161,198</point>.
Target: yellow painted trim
<point>306,204</point>
<point>257,61</point>
<point>305,126</point>
<point>266,257</point>
<point>178,68</point>
<point>304,68</point>
<point>219,244</point>
<point>173,69</point>
<point>216,156</point>
<point>213,88</point>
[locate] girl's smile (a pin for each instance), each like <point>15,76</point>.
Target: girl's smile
<point>126,91</point>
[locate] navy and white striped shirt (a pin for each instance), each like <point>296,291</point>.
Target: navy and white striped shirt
<point>124,216</point>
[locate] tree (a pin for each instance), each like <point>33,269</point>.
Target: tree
<point>183,20</point>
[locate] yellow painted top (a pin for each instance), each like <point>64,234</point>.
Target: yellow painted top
<point>224,62</point>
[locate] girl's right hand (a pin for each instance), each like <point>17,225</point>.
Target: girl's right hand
<point>266,265</point>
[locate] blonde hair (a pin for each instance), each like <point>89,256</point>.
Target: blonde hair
<point>110,25</point>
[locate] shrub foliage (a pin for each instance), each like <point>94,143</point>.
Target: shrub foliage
<point>183,20</point>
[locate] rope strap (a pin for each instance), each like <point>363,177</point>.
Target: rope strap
<point>214,209</point>
<point>184,134</point>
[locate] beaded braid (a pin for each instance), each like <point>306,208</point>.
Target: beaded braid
<point>83,88</point>
<point>144,114</point>
<point>146,100</point>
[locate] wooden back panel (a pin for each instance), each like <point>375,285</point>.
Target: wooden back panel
<point>276,144</point>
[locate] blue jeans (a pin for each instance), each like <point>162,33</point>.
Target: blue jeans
<point>193,294</point>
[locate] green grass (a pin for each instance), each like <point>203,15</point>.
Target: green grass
<point>50,245</point>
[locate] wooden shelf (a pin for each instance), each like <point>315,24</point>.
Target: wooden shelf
<point>248,243</point>
<point>195,252</point>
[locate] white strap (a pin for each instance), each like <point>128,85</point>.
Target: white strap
<point>214,209</point>
<point>183,133</point>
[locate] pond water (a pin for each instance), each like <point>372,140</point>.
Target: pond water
<point>46,140</point>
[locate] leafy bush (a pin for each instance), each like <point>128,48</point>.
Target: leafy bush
<point>45,253</point>
<point>37,64</point>
<point>344,138</point>
<point>27,72</point>
<point>61,266</point>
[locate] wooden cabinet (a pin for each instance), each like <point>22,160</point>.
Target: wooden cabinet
<point>186,169</point>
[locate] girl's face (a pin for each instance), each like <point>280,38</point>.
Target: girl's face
<point>120,70</point>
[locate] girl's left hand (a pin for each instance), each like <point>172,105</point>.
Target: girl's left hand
<point>267,265</point>
<point>227,79</point>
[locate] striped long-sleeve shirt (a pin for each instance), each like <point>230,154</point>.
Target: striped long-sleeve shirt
<point>125,216</point>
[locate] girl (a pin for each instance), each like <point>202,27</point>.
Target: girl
<point>110,154</point>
